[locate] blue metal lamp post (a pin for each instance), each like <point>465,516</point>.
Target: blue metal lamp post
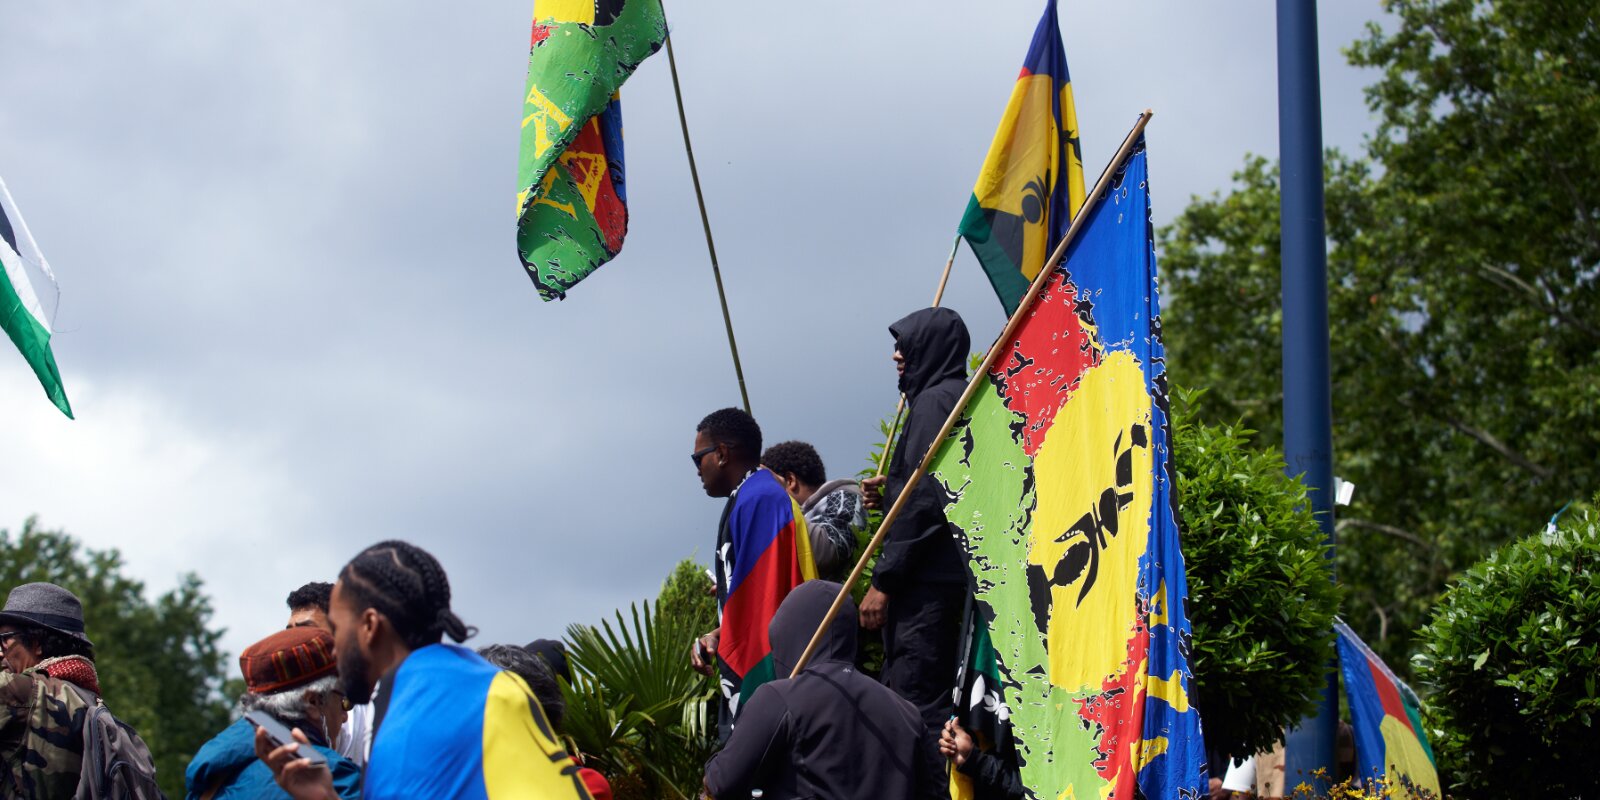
<point>1307,406</point>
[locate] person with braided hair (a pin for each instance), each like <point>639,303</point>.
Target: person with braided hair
<point>448,724</point>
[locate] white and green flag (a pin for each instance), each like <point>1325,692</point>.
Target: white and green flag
<point>28,299</point>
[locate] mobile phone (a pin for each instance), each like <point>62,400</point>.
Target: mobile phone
<point>279,735</point>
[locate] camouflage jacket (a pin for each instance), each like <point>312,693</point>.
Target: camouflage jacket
<point>41,734</point>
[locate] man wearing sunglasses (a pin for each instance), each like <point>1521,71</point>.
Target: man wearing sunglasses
<point>763,551</point>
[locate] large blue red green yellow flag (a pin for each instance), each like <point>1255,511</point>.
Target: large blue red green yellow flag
<point>1059,474</point>
<point>1387,718</point>
<point>456,726</point>
<point>1031,183</point>
<point>572,209</point>
<point>767,554</point>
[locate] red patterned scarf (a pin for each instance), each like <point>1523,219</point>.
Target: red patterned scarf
<point>74,669</point>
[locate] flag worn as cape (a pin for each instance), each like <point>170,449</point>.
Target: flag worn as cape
<point>1059,474</point>
<point>1387,719</point>
<point>1031,183</point>
<point>572,210</point>
<point>450,724</point>
<point>28,297</point>
<point>766,554</point>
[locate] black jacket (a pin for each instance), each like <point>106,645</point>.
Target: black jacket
<point>831,732</point>
<point>921,546</point>
<point>995,776</point>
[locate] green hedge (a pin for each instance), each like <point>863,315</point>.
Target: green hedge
<point>1261,594</point>
<point>1512,658</point>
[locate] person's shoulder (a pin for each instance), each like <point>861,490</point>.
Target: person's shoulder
<point>891,699</point>
<point>446,658</point>
<point>770,700</point>
<point>935,403</point>
<point>463,671</point>
<point>17,688</point>
<point>16,685</point>
<point>763,487</point>
<point>763,497</point>
<point>64,693</point>
<point>510,698</point>
<point>840,488</point>
<point>777,689</point>
<point>948,391</point>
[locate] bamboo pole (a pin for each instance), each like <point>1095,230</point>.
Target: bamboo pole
<point>705,222</point>
<point>978,378</point>
<point>944,279</point>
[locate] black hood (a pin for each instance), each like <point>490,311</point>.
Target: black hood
<point>935,345</point>
<point>797,619</point>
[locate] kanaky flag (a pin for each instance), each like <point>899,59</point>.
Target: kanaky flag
<point>1386,718</point>
<point>1031,183</point>
<point>28,299</point>
<point>1059,474</point>
<point>768,554</point>
<point>571,206</point>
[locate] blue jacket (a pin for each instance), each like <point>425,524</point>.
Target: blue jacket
<point>228,762</point>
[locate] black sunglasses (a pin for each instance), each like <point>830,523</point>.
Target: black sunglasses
<point>700,455</point>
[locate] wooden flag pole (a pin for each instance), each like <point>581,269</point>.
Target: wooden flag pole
<point>978,378</point>
<point>900,407</point>
<point>705,221</point>
<point>938,294</point>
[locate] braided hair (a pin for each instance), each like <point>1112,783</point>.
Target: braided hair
<point>406,584</point>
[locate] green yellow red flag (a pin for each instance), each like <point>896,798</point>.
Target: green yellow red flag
<point>1060,477</point>
<point>571,204</point>
<point>1031,183</point>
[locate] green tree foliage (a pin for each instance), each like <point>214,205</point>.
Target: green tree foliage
<point>1463,298</point>
<point>1261,595</point>
<point>158,661</point>
<point>635,709</point>
<point>688,594</point>
<point>1511,659</point>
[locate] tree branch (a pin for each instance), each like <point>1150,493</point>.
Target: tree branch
<point>1383,621</point>
<point>1483,437</point>
<point>1546,304</point>
<point>1488,440</point>
<point>1387,530</point>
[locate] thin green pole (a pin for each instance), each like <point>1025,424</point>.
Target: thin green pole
<point>705,221</point>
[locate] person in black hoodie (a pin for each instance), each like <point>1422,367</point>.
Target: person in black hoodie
<point>829,732</point>
<point>921,578</point>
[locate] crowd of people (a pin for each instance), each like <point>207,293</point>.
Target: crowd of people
<point>831,731</point>
<point>375,703</point>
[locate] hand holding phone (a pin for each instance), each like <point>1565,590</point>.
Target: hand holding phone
<point>280,736</point>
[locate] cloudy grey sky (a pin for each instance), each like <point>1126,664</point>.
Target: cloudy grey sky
<point>293,323</point>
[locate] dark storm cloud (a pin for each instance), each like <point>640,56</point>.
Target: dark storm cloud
<point>291,307</point>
